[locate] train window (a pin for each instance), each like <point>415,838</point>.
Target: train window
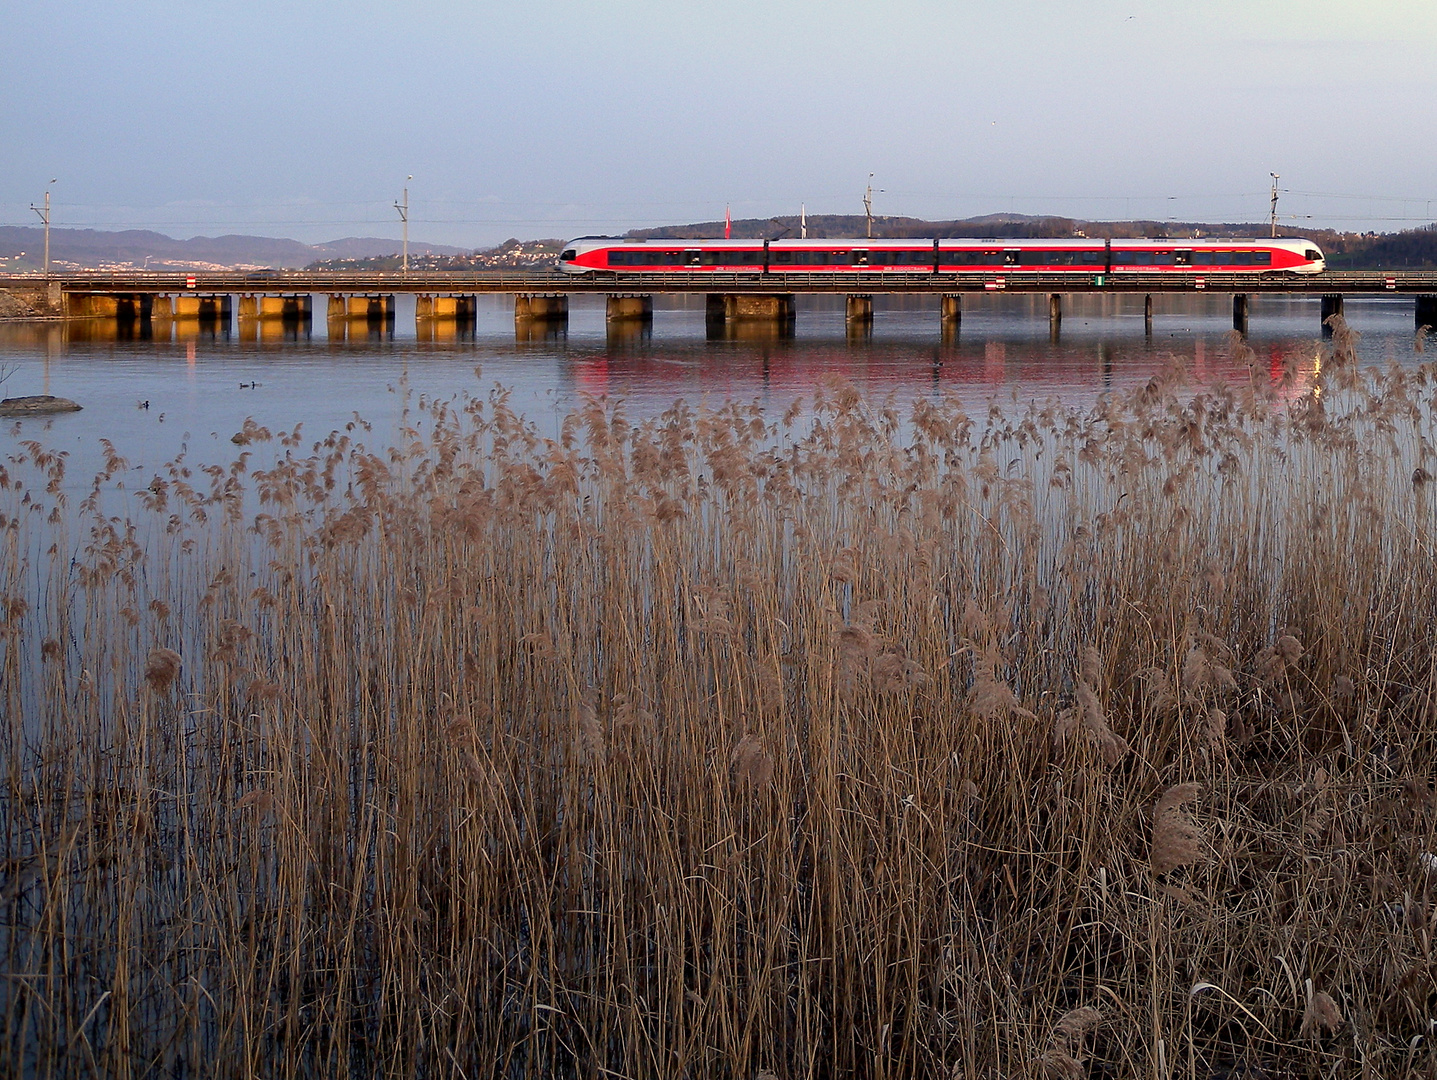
<point>860,257</point>
<point>780,258</point>
<point>616,258</point>
<point>1162,258</point>
<point>1183,258</point>
<point>1092,258</point>
<point>1012,258</point>
<point>971,258</point>
<point>1241,258</point>
<point>569,255</point>
<point>712,258</point>
<point>1262,258</point>
<point>1311,255</point>
<point>1204,258</point>
<point>693,257</point>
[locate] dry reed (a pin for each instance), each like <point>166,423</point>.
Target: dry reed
<point>719,744</point>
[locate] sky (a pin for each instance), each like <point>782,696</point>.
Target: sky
<point>559,118</point>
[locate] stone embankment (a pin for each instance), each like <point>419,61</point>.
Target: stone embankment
<point>28,304</point>
<point>12,307</point>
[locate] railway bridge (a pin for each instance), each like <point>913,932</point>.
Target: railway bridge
<point>542,297</point>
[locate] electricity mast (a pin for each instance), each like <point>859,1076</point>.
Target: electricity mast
<point>403,209</point>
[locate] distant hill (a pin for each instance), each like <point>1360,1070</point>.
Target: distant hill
<point>1411,249</point>
<point>134,248</point>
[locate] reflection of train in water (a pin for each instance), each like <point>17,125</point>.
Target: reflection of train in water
<point>1081,256</point>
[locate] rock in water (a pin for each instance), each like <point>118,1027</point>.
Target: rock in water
<point>36,405</point>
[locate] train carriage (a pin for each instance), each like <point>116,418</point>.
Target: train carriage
<point>956,256</point>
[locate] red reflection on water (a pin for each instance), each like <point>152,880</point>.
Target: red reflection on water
<point>592,376</point>
<point>1075,374</point>
<point>995,358</point>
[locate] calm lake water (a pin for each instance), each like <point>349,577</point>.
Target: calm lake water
<point>201,386</point>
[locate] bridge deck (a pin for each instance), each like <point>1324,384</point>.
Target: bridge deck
<point>305,281</point>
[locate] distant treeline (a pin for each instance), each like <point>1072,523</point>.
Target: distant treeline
<point>1409,249</point>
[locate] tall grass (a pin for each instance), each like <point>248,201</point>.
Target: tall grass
<point>862,741</point>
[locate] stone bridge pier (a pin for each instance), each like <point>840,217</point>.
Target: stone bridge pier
<point>445,318</point>
<point>1427,313</point>
<point>1331,309</point>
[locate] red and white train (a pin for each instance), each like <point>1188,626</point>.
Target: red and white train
<point>1081,256</point>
